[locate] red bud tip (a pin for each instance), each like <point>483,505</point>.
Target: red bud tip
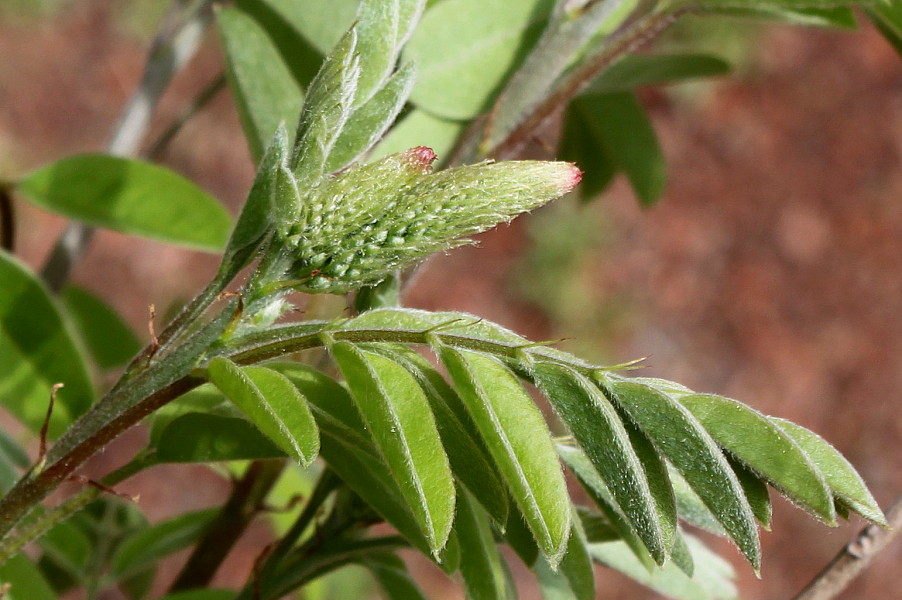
<point>420,158</point>
<point>576,176</point>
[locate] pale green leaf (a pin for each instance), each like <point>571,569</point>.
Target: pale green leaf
<point>321,22</point>
<point>130,196</point>
<point>419,128</point>
<point>841,476</point>
<point>712,579</point>
<point>597,427</point>
<point>109,339</point>
<point>265,91</point>
<point>397,414</point>
<point>680,437</point>
<point>462,61</point>
<point>147,546</point>
<point>272,403</point>
<point>518,438</point>
<point>38,351</point>
<point>200,437</point>
<point>762,446</point>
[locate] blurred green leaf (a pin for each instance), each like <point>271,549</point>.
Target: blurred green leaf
<point>392,576</point>
<point>272,403</point>
<point>397,414</point>
<point>842,478</point>
<point>620,126</point>
<point>755,441</point>
<point>597,427</point>
<point>419,128</point>
<point>840,17</point>
<point>38,351</point>
<point>25,580</point>
<point>581,145</point>
<point>132,197</point>
<point>111,342</point>
<point>462,61</point>
<point>678,436</point>
<point>639,70</point>
<point>13,461</point>
<point>209,594</point>
<point>576,566</point>
<point>200,437</point>
<point>147,546</point>
<point>518,438</point>
<point>887,17</point>
<point>321,22</point>
<point>67,545</point>
<point>263,86</point>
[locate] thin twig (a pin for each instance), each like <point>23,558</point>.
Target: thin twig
<point>854,558</point>
<point>159,146</point>
<point>7,220</point>
<point>176,42</point>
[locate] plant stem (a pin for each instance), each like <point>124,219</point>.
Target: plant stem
<point>854,557</point>
<point>7,220</point>
<point>175,43</point>
<point>236,514</point>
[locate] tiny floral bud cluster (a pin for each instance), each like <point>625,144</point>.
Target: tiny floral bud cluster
<point>361,225</point>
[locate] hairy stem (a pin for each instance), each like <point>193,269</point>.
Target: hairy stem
<point>854,558</point>
<point>175,43</point>
<point>243,504</point>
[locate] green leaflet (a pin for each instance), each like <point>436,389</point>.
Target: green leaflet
<point>391,574</point>
<point>132,197</point>
<point>272,403</point>
<point>755,441</point>
<point>201,437</point>
<point>111,342</point>
<point>469,459</point>
<point>597,427</point>
<point>576,566</point>
<point>419,128</point>
<point>13,460</point>
<point>461,60</point>
<point>26,582</point>
<point>756,492</point>
<point>481,565</point>
<point>38,351</point>
<point>265,91</point>
<point>147,546</point>
<point>845,483</point>
<point>679,437</point>
<point>397,414</point>
<point>518,439</point>
<point>68,547</point>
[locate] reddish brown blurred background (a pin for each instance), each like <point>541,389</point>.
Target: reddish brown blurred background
<point>771,271</point>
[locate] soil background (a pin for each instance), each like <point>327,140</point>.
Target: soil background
<point>771,271</point>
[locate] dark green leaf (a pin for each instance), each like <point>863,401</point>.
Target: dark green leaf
<point>38,351</point>
<point>25,580</point>
<point>13,460</point>
<point>597,427</point>
<point>518,439</point>
<point>581,145</point>
<point>755,492</point>
<point>147,546</point>
<point>205,399</point>
<point>842,478</point>
<point>397,414</point>
<point>130,196</point>
<point>690,507</point>
<point>209,594</point>
<point>200,437</point>
<point>887,16</point>
<point>619,124</point>
<point>596,526</point>
<point>576,566</point>
<point>462,61</point>
<point>392,576</point>
<point>517,535</point>
<point>111,342</point>
<point>680,437</point>
<point>263,86</point>
<point>840,17</point>
<point>481,563</point>
<point>640,70</point>
<point>67,545</point>
<point>762,446</point>
<point>272,403</point>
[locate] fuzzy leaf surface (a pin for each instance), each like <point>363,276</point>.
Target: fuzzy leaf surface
<point>130,196</point>
<point>272,403</point>
<point>518,438</point>
<point>397,414</point>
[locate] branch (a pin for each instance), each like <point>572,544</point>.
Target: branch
<point>854,558</point>
<point>176,42</point>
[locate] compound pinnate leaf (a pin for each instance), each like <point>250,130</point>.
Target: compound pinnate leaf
<point>842,478</point>
<point>518,439</point>
<point>130,196</point>
<point>762,446</point>
<point>397,414</point>
<point>38,352</point>
<point>272,403</point>
<point>678,436</point>
<point>597,427</point>
<point>265,91</point>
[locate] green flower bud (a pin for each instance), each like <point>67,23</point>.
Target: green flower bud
<point>358,227</point>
